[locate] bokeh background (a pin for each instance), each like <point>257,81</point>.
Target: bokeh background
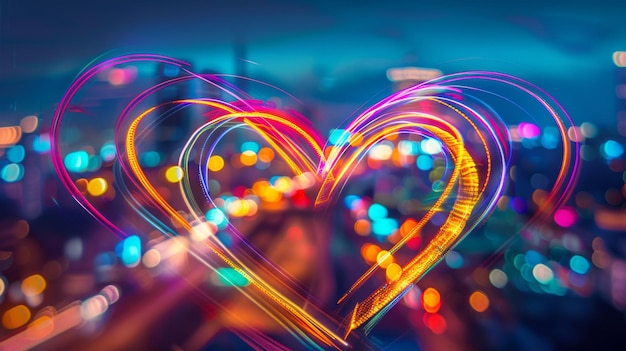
<point>559,287</point>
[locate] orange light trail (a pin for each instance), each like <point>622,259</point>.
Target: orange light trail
<point>444,195</point>
<point>304,319</point>
<point>447,236</point>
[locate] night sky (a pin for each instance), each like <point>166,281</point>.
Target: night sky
<point>332,50</point>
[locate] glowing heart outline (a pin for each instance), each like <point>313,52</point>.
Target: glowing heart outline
<point>326,168</point>
<point>423,261</point>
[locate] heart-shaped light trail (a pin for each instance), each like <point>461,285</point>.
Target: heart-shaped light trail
<point>475,184</point>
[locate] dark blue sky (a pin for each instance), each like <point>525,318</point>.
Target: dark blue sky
<point>343,46</point>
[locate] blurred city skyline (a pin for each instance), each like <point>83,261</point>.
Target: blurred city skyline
<point>513,283</point>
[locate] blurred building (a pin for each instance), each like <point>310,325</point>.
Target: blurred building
<point>175,125</point>
<point>620,90</point>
